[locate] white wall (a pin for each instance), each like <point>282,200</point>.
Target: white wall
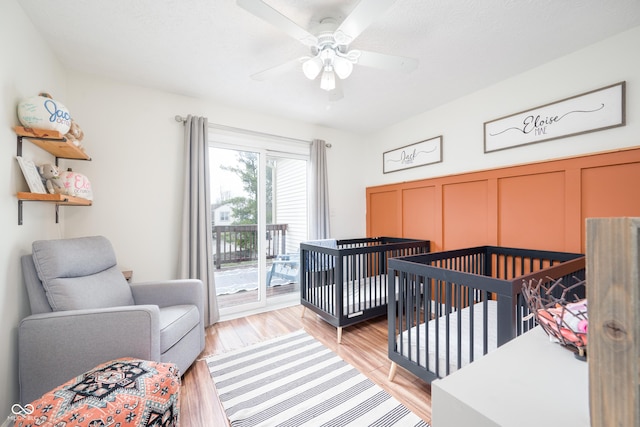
<point>137,165</point>
<point>26,68</point>
<point>461,121</point>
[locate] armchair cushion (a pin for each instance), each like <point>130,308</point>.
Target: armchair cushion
<point>176,322</point>
<point>80,274</point>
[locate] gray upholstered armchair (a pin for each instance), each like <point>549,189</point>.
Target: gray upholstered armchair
<point>85,313</point>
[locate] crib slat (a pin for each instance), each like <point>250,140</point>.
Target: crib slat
<point>472,335</point>
<point>458,303</point>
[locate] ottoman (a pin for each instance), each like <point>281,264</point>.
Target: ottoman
<point>123,392</point>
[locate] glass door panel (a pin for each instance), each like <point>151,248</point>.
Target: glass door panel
<point>286,218</point>
<point>236,238</point>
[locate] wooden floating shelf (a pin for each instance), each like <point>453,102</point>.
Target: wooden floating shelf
<point>59,199</point>
<point>53,142</point>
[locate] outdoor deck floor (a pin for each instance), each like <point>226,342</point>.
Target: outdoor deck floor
<point>242,297</point>
<point>238,285</point>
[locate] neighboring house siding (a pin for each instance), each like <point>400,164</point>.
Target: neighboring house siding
<point>222,215</point>
<point>290,200</point>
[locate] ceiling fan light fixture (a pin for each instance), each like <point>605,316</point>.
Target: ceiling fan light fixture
<point>312,68</point>
<point>327,55</point>
<point>343,67</point>
<point>330,55</point>
<point>328,79</point>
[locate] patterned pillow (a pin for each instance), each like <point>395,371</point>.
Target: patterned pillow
<point>123,392</point>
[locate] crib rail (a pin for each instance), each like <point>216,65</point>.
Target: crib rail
<point>347,283</point>
<point>475,289</point>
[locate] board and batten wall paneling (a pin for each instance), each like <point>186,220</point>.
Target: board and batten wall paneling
<point>610,191</point>
<point>466,210</point>
<point>540,205</point>
<point>419,213</point>
<point>531,211</point>
<point>383,217</point>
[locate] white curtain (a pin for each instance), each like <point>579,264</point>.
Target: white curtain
<point>319,192</point>
<point>196,253</point>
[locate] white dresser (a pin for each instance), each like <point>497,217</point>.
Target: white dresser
<point>529,381</point>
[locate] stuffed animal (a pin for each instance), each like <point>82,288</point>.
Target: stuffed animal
<point>51,175</point>
<point>75,134</point>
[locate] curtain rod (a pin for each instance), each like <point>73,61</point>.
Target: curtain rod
<point>181,119</point>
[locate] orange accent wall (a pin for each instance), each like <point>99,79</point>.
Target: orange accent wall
<point>418,212</point>
<point>537,206</point>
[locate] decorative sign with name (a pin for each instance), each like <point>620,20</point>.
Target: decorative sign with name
<point>589,112</point>
<point>414,155</point>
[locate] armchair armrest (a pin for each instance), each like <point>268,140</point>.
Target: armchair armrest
<point>55,347</point>
<point>173,292</point>
<point>169,292</point>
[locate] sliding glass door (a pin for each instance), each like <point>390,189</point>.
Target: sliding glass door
<point>286,217</point>
<point>259,214</point>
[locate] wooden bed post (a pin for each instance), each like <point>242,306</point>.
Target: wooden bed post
<point>613,292</point>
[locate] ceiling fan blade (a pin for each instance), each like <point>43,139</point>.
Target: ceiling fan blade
<point>278,70</point>
<point>387,62</point>
<point>362,16</point>
<point>275,18</point>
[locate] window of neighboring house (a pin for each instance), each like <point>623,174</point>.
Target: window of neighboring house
<point>224,216</point>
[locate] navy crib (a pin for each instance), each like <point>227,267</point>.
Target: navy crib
<point>442,296</point>
<point>345,281</point>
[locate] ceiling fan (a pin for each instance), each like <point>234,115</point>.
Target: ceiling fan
<point>330,56</point>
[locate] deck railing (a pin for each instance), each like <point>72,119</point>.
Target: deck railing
<point>237,243</point>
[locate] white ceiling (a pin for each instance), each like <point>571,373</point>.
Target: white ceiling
<point>209,49</point>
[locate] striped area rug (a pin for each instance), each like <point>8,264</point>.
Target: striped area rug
<point>294,380</point>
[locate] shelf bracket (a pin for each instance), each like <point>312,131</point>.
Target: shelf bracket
<point>19,146</point>
<point>21,202</point>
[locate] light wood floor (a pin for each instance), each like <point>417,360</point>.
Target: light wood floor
<point>363,345</point>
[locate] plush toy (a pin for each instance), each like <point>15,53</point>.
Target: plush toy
<point>51,176</point>
<point>75,134</point>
